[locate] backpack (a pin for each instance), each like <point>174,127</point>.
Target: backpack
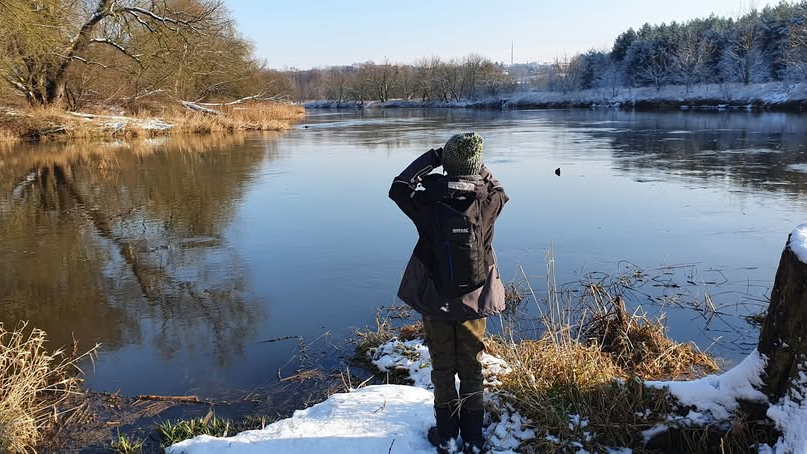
<point>459,250</point>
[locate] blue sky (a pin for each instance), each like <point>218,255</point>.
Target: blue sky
<point>318,33</point>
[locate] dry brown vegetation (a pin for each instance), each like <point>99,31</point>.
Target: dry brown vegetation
<point>597,376</point>
<point>55,124</point>
<point>35,386</point>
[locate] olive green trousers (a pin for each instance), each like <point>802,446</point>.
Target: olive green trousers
<point>455,348</point>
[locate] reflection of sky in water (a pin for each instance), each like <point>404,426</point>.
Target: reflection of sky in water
<point>308,242</point>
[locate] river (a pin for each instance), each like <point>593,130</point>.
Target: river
<point>181,255</point>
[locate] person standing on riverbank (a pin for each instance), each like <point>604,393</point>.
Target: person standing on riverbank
<point>452,278</point>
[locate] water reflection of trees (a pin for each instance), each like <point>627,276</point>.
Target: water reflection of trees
<point>121,242</point>
<point>749,151</point>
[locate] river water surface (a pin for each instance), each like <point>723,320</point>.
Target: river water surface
<point>181,255</point>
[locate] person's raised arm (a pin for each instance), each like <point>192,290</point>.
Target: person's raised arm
<point>496,196</point>
<point>402,190</point>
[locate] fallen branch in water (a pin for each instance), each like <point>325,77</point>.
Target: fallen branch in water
<point>303,376</point>
<point>193,399</point>
<point>278,339</point>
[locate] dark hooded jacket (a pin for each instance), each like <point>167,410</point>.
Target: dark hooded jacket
<point>418,288</point>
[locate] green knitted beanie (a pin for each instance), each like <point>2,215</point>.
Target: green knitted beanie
<point>462,154</point>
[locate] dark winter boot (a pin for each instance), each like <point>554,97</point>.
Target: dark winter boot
<point>444,435</point>
<point>471,431</point>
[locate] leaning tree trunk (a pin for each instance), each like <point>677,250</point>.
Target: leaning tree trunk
<point>56,83</point>
<point>783,338</point>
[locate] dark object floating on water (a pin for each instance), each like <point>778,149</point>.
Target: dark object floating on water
<point>306,126</point>
<point>557,171</point>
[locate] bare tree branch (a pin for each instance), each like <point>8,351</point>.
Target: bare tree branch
<point>88,62</point>
<point>123,50</point>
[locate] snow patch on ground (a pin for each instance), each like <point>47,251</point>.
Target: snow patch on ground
<point>715,397</point>
<point>376,418</point>
<point>504,435</point>
<point>798,242</point>
<point>790,415</point>
<point>411,356</point>
<point>371,420</point>
<point>118,122</point>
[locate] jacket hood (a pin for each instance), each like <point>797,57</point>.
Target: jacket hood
<point>441,187</point>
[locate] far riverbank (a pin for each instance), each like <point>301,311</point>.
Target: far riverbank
<point>775,96</point>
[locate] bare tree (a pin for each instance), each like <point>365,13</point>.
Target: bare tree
<point>407,81</point>
<point>361,87</point>
<point>493,79</point>
<point>336,83</point>
<point>566,73</point>
<point>689,59</point>
<point>796,48</point>
<point>472,68</point>
<point>381,78</point>
<point>425,74</point>
<point>73,31</point>
<point>742,57</point>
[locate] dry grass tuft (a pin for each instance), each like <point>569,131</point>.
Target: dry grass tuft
<point>640,346</point>
<point>412,331</point>
<point>6,135</point>
<point>551,382</point>
<point>34,386</point>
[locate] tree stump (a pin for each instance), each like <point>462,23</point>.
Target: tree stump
<point>783,338</point>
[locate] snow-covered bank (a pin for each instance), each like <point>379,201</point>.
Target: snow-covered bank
<point>395,418</point>
<point>715,397</point>
<point>774,96</point>
<point>375,419</point>
<point>382,418</point>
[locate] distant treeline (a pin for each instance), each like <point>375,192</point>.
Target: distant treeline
<point>76,53</point>
<point>429,79</point>
<point>768,45</point>
<point>762,46</point>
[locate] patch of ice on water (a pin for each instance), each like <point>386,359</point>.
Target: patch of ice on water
<point>797,168</point>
